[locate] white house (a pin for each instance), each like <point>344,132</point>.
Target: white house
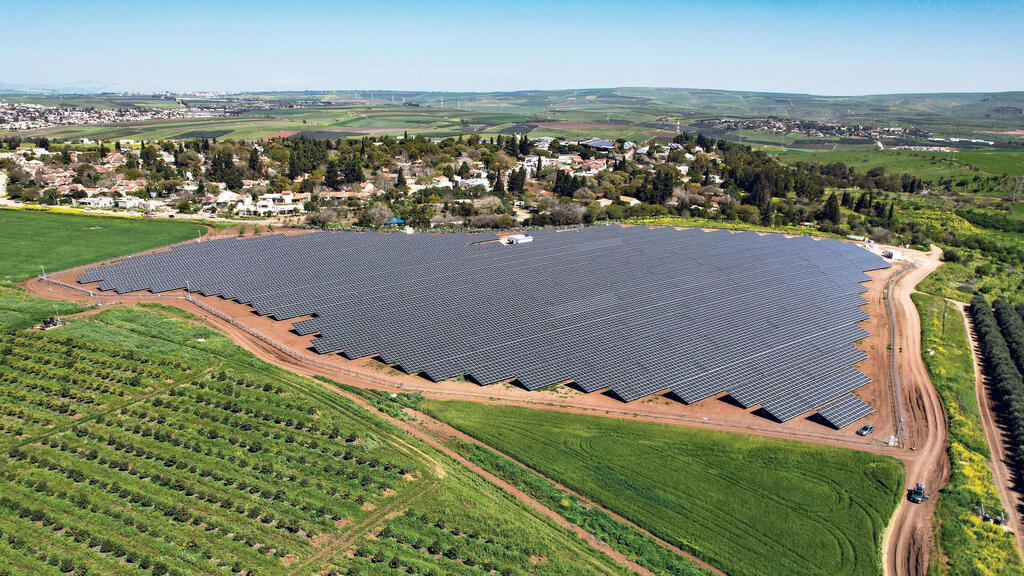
<point>227,197</point>
<point>271,204</point>
<point>96,202</point>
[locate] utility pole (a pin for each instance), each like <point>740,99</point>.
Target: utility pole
<point>1020,188</point>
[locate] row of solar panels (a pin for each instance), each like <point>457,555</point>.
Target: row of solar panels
<point>634,309</point>
<point>844,411</point>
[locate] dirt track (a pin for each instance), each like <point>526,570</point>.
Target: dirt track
<point>999,463</point>
<point>907,541</point>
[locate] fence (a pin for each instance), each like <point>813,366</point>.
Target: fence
<point>901,431</point>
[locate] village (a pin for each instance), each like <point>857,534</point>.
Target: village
<point>476,188</point>
<point>27,116</point>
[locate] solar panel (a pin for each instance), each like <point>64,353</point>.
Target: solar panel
<point>633,309</point>
<point>844,411</point>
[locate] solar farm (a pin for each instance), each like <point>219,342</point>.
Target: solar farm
<point>769,320</point>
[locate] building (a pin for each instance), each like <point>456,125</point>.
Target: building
<point>96,202</point>
<point>270,205</point>
<point>598,144</point>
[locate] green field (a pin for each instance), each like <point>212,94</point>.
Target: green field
<point>748,505</point>
<point>927,165</point>
<point>966,544</point>
<point>138,443</point>
<point>58,241</point>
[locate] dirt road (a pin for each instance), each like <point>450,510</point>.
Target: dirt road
<point>908,539</point>
<point>999,463</point>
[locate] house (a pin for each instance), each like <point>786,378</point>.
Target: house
<point>96,202</point>
<point>471,182</point>
<point>130,202</point>
<point>592,166</point>
<point>272,205</point>
<point>629,200</point>
<point>542,143</point>
<point>227,197</point>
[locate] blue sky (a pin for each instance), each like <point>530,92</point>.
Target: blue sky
<point>846,48</point>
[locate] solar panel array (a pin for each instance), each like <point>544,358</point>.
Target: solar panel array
<point>844,411</point>
<point>634,309</point>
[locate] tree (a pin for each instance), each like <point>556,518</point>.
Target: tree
<point>516,181</point>
<point>831,210</point>
<point>353,171</point>
<point>499,185</point>
<point>862,202</point>
<point>375,215</point>
<point>255,164</point>
<point>400,181</point>
<point>332,178</point>
<point>524,145</point>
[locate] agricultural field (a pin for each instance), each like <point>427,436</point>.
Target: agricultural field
<point>967,544</point>
<point>136,442</point>
<point>747,505</point>
<point>929,166</point>
<point>58,241</point>
<point>619,535</point>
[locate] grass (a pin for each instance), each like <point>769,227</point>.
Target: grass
<point>748,505</point>
<point>18,310</point>
<point>138,443</point>
<point>619,535</point>
<point>58,241</point>
<point>976,272</point>
<point>966,544</point>
<point>929,166</point>
<point>733,225</point>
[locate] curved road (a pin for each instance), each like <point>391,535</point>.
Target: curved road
<point>908,538</point>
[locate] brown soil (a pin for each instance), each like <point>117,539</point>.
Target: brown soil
<point>581,125</point>
<point>281,134</point>
<point>908,538</point>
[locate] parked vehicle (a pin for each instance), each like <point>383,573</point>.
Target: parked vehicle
<point>865,430</point>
